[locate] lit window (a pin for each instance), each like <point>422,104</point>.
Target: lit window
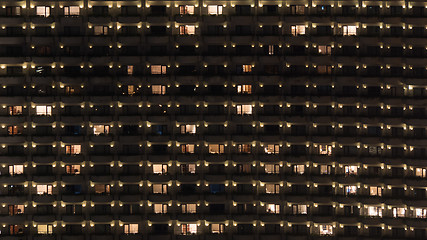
<point>187,30</point>
<point>130,228</point>
<point>160,168</point>
<point>129,69</point>
<point>325,150</point>
<point>299,209</point>
<point>16,229</point>
<point>324,49</point>
<point>100,30</point>
<point>13,11</point>
<point>217,228</point>
<point>160,188</point>
<point>374,211</point>
<point>325,169</point>
<point>188,129</point>
<point>44,189</point>
<point>350,190</point>
<point>189,208</point>
<point>186,9</point>
<point>350,170</point>
<point>325,229</point>
<point>187,148</point>
<point>16,169</point>
<point>188,168</point>
<point>270,49</point>
<point>272,188</point>
<point>129,90</point>
<point>375,191</point>
<point>214,9</point>
<point>158,69</point>
<point>43,11</point>
<point>158,89</point>
<point>69,90</point>
<point>44,110</point>
<point>72,169</point>
<point>101,129</point>
<point>272,149</point>
<point>299,169</point>
<point>44,229</point>
<point>102,188</point>
<point>73,149</point>
<point>188,229</point>
<point>324,69</point>
<point>15,110</point>
<point>216,148</point>
<point>349,30</point>
<point>244,109</point>
<point>244,89</point>
<point>420,212</point>
<point>14,130</point>
<point>298,30</point>
<point>273,208</point>
<point>246,68</point>
<point>271,168</point>
<point>399,212</point>
<point>421,172</point>
<point>374,150</point>
<point>71,10</point>
<point>298,9</point>
<point>244,148</point>
<point>16,209</point>
<point>160,208</point>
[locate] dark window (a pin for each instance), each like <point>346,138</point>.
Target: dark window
<point>71,31</point>
<point>100,10</point>
<point>324,30</point>
<point>373,11</point>
<point>158,10</point>
<point>349,10</point>
<point>129,10</point>
<point>324,10</point>
<point>270,9</point>
<point>215,30</point>
<point>243,9</point>
<point>158,30</point>
<point>396,10</point>
<point>216,188</point>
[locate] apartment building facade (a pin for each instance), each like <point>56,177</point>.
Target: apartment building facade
<point>213,120</point>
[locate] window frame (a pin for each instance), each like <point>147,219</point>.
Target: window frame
<point>298,30</point>
<point>44,189</point>
<point>219,147</point>
<point>187,9</point>
<point>44,110</point>
<point>43,11</point>
<point>73,149</point>
<point>68,11</point>
<point>218,9</point>
<point>131,228</point>
<point>158,69</point>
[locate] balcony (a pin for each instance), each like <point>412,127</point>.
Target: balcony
<point>72,218</point>
<point>44,237</point>
<point>243,236</point>
<point>187,237</point>
<point>130,236</point>
<point>73,237</point>
<point>44,198</point>
<point>101,237</point>
<point>163,236</point>
<point>101,198</point>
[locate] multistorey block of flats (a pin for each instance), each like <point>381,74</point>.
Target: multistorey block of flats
<point>213,120</point>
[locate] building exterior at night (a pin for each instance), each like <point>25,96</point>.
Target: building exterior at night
<point>213,120</point>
